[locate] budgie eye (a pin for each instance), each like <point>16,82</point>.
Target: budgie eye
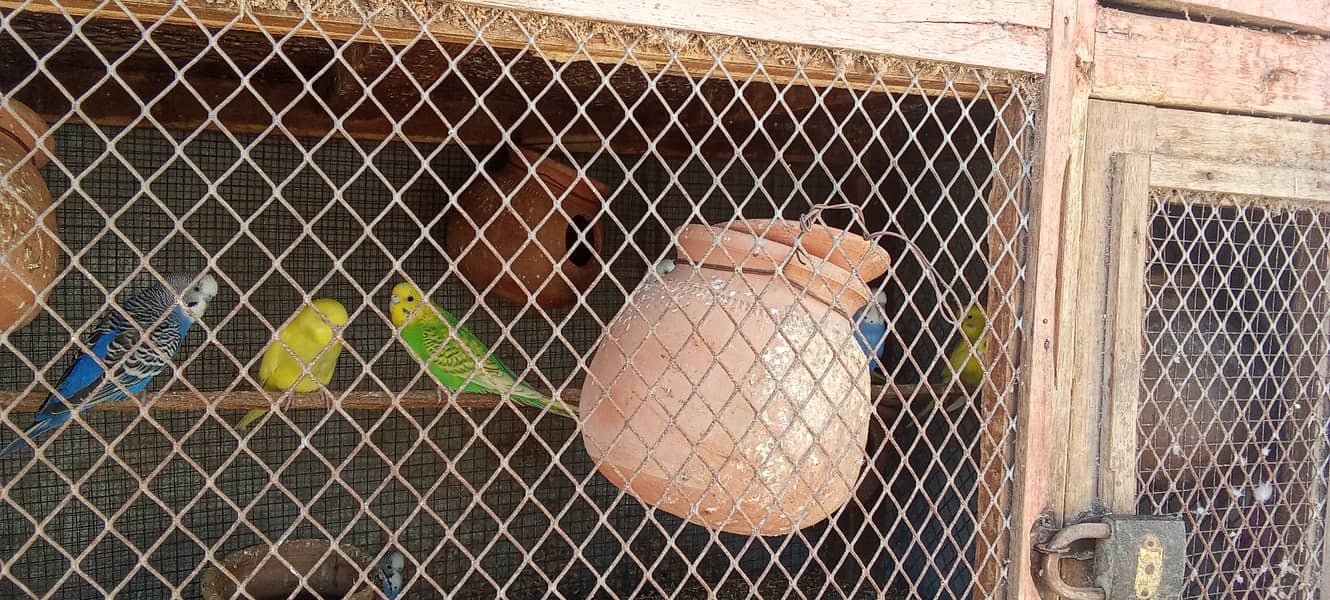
<point>410,298</point>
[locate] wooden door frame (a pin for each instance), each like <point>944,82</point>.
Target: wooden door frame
<point>1129,150</point>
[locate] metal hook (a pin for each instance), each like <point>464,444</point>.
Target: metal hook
<point>806,224</point>
<point>805,221</point>
<point>928,270</point>
<point>1053,551</point>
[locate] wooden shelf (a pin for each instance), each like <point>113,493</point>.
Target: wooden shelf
<point>249,399</point>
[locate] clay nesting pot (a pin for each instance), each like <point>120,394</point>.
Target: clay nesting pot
<point>538,221</point>
<point>731,392</point>
<point>29,256</point>
<point>264,577</point>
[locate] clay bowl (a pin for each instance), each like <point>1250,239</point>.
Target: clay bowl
<point>264,577</point>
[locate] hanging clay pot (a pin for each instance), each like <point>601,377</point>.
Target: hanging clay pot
<point>264,577</point>
<point>29,256</point>
<point>731,392</point>
<point>537,222</point>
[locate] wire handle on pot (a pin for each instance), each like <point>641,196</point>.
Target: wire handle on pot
<point>815,213</point>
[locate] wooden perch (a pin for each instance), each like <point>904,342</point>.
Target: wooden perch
<point>248,399</point>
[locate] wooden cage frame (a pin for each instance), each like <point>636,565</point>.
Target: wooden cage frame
<point>1194,59</point>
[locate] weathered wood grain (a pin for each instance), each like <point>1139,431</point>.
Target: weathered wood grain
<point>1312,16</point>
<point>576,40</point>
<point>1043,411</point>
<point>1176,63</point>
<point>1286,183</point>
<point>1129,194</point>
<point>1239,139</point>
<point>1006,202</point>
<point>1111,128</point>
<point>1004,34</point>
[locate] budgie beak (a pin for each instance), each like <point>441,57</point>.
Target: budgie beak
<point>206,288</point>
<point>195,307</point>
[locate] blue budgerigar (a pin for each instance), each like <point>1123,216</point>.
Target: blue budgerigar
<point>390,571</point>
<point>872,330</point>
<point>118,348</point>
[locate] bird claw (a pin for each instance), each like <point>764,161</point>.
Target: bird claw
<point>328,399</point>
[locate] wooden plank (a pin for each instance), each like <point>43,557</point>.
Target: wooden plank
<point>1170,62</point>
<point>1311,16</point>
<point>1002,34</point>
<point>1130,196</point>
<point>997,402</point>
<point>1111,128</point>
<point>1239,139</point>
<point>249,399</point>
<point>14,401</point>
<point>847,21</point>
<point>1043,423</point>
<point>1284,183</point>
<point>556,40</point>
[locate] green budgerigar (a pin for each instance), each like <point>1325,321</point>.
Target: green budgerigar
<point>450,351</point>
<point>309,341</point>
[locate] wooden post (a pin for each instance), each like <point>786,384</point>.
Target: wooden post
<point>1007,201</point>
<point>1041,408</point>
<point>1129,197</point>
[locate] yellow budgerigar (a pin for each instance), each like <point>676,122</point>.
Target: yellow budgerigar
<point>969,350</point>
<point>311,340</point>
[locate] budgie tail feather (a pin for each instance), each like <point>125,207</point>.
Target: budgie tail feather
<point>529,396</point>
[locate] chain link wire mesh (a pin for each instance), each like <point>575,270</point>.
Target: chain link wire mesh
<point>299,157</point>
<point>1232,423</point>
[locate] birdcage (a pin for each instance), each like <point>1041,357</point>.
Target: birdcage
<point>506,299</point>
<point>533,176</point>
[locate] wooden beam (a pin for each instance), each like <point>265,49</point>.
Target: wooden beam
<point>1041,436</point>
<point>890,395</point>
<point>1129,195</point>
<point>1111,128</point>
<point>1237,139</point>
<point>250,399</point>
<point>1281,183</point>
<point>1308,16</point>
<point>1170,62</point>
<point>573,40</point>
<point>1006,201</point>
<point>1003,34</point>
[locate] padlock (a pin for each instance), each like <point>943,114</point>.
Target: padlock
<point>1135,558</point>
<point>1143,557</point>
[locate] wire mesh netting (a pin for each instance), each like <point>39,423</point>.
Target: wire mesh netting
<point>542,182</point>
<point>1232,423</point>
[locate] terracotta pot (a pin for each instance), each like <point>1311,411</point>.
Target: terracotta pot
<point>753,421</point>
<point>266,578</point>
<point>554,265</point>
<point>30,256</point>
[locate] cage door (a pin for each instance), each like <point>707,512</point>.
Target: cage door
<point>1204,393</point>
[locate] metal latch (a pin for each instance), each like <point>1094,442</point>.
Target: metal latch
<point>1135,558</point>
